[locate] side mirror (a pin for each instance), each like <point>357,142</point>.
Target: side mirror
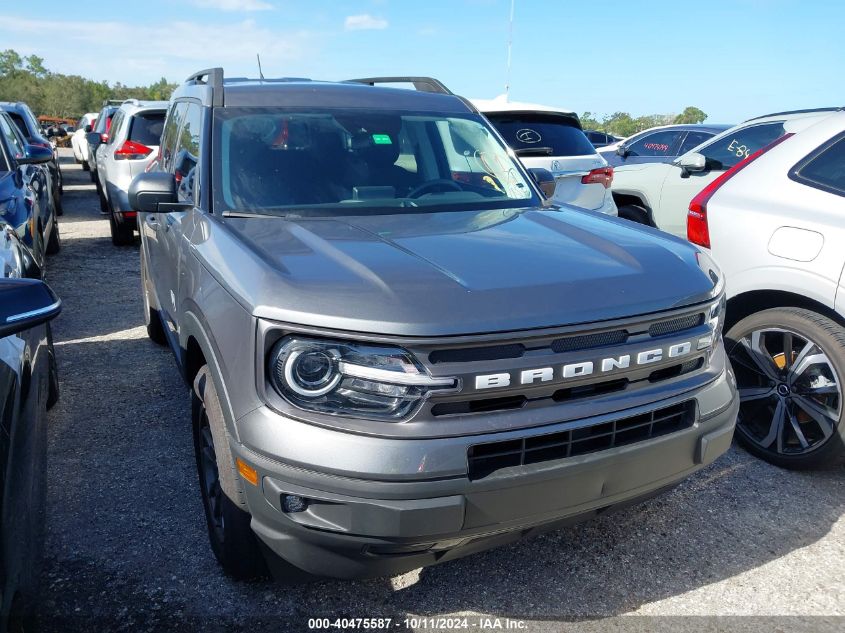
<point>622,150</point>
<point>35,154</point>
<point>151,189</point>
<point>25,303</point>
<point>86,129</point>
<point>692,162</point>
<point>93,139</point>
<point>544,179</point>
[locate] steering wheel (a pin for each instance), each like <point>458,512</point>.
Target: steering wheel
<point>419,190</point>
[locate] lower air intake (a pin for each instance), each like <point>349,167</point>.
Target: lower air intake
<point>486,459</point>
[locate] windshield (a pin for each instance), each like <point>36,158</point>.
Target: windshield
<point>342,161</point>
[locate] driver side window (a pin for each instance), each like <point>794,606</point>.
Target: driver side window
<point>170,135</point>
<point>14,143</point>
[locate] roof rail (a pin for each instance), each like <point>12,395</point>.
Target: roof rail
<point>422,84</point>
<point>212,77</point>
<point>108,102</point>
<point>807,111</point>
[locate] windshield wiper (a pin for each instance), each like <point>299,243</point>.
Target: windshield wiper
<point>255,214</point>
<point>535,151</point>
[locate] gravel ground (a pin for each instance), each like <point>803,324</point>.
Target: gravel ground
<point>127,548</point>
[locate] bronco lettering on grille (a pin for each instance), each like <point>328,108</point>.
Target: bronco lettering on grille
<point>586,368</point>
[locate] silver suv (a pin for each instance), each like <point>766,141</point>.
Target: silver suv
<point>399,352</point>
<point>131,145</point>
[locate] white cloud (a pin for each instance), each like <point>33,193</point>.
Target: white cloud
<point>175,50</point>
<point>233,5</point>
<point>364,22</point>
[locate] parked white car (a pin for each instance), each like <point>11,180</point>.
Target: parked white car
<point>659,194</point>
<point>774,224</point>
<point>132,143</point>
<point>551,138</point>
<point>78,141</point>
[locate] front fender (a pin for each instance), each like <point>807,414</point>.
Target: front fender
<point>193,326</point>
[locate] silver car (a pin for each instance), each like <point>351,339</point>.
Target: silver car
<point>132,144</point>
<point>774,224</point>
<point>398,358</point>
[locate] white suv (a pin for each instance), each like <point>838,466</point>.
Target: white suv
<point>550,138</point>
<point>78,141</point>
<point>659,193</point>
<point>774,223</point>
<point>132,144</point>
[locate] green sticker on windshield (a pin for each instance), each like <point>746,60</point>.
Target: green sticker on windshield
<point>382,139</point>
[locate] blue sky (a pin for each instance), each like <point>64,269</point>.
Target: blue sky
<point>732,58</point>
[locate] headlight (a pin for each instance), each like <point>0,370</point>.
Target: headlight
<point>342,378</point>
<point>716,321</point>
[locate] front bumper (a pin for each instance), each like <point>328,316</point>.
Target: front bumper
<point>386,523</point>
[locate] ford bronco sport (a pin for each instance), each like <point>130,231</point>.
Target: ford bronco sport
<point>399,351</point>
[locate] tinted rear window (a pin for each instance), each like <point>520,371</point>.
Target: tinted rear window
<point>542,134</point>
<point>147,127</point>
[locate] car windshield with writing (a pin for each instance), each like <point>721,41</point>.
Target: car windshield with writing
<point>349,162</point>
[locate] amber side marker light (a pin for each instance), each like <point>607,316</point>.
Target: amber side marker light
<point>247,471</point>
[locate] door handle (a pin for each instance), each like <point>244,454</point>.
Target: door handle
<point>151,221</point>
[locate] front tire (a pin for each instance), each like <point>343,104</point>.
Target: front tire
<point>101,197</point>
<point>155,329</point>
<point>227,517</point>
<point>789,364</point>
<point>54,243</point>
<point>86,166</point>
<point>122,234</point>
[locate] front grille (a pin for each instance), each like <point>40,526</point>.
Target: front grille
<point>486,459</point>
<point>473,354</point>
<point>679,324</point>
<point>589,341</point>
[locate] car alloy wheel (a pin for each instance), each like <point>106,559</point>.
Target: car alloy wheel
<point>790,393</point>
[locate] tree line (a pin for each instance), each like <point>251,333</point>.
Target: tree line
<point>623,124</point>
<point>67,96</point>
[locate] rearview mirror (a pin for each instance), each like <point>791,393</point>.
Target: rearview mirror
<point>149,190</point>
<point>692,162</point>
<point>25,303</point>
<point>35,154</point>
<point>544,179</point>
<point>622,151</point>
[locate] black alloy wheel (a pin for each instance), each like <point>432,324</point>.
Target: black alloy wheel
<point>788,372</point>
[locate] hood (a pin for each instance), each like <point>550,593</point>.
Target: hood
<point>434,274</point>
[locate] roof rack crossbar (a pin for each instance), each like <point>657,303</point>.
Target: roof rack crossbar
<point>422,84</point>
<point>212,77</point>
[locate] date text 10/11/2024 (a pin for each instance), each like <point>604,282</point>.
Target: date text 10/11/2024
<point>418,623</point>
